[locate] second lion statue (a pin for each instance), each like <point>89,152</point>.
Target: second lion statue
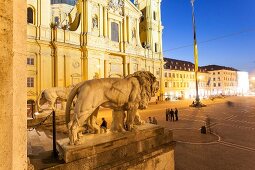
<point>128,94</point>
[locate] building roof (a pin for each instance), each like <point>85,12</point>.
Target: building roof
<point>217,67</point>
<point>174,64</point>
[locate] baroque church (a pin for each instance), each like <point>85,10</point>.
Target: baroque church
<point>69,41</point>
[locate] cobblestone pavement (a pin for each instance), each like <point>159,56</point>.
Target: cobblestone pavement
<point>230,146</point>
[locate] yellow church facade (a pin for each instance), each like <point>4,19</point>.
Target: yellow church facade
<point>114,38</point>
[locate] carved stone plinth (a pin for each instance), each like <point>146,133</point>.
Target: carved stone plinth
<point>149,147</point>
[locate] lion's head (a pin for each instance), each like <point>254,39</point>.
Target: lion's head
<point>149,86</point>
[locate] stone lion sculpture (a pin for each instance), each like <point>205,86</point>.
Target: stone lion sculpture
<point>128,94</point>
<point>50,96</point>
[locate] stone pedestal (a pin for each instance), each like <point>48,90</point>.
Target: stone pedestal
<point>149,147</point>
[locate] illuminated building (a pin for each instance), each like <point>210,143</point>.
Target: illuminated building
<point>223,80</point>
<point>242,83</point>
<point>179,80</point>
<point>252,83</point>
<point>114,39</point>
<point>213,80</point>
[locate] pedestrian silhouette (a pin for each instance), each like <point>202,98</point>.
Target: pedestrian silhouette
<point>172,114</point>
<point>149,120</point>
<point>208,124</point>
<point>103,126</point>
<point>176,114</point>
<point>167,114</point>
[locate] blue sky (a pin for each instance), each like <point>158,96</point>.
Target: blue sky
<point>214,18</point>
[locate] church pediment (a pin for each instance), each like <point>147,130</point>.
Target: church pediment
<point>129,5</point>
<point>117,7</point>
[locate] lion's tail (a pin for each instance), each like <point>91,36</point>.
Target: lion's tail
<point>69,102</point>
<point>39,108</point>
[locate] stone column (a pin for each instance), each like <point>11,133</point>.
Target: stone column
<point>105,23</point>
<point>106,68</point>
<point>125,66</point>
<point>89,16</point>
<point>121,35</point>
<point>13,34</point>
<point>138,41</point>
<point>125,33</point>
<point>101,20</point>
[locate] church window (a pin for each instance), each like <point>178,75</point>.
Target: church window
<point>30,82</point>
<point>114,32</point>
<point>30,15</point>
<point>156,47</point>
<point>30,61</point>
<point>154,15</point>
<point>56,20</point>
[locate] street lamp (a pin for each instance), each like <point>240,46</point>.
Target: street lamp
<point>197,102</point>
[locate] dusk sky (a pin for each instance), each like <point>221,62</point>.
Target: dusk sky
<point>228,24</point>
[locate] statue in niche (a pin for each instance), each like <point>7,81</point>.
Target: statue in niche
<point>125,96</point>
<point>94,22</point>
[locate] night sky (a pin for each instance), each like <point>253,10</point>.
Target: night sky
<point>225,32</point>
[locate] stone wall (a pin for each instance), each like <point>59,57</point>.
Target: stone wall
<point>13,150</point>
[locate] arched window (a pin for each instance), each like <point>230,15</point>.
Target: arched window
<point>30,15</point>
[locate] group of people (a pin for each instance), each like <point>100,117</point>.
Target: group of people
<point>152,120</point>
<point>171,114</point>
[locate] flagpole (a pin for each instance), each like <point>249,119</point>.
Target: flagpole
<point>197,100</point>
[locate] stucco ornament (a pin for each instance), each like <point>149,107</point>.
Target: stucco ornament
<point>50,96</point>
<point>76,64</point>
<point>122,95</point>
<point>116,5</point>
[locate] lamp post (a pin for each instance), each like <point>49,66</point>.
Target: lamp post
<point>53,27</point>
<point>197,102</point>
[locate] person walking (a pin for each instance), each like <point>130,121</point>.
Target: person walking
<point>167,114</point>
<point>172,115</point>
<point>103,126</point>
<point>176,114</point>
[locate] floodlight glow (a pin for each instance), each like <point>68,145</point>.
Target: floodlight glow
<point>242,82</point>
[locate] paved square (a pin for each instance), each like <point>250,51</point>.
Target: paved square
<point>230,146</point>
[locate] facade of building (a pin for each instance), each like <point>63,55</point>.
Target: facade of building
<point>242,83</point>
<point>223,80</point>
<point>213,80</point>
<point>252,83</point>
<point>179,79</point>
<point>114,38</point>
